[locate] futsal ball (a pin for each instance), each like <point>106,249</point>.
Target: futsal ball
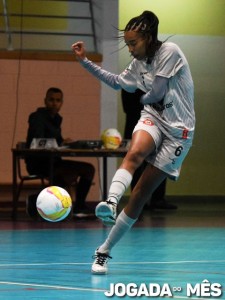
<point>111,138</point>
<point>54,204</point>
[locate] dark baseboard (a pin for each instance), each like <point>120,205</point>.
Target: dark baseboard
<point>6,197</point>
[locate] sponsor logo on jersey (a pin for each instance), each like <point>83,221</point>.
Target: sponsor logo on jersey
<point>160,106</point>
<point>147,122</point>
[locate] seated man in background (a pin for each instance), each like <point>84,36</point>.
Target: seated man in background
<point>45,122</point>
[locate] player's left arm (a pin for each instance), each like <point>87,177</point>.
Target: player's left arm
<point>157,92</point>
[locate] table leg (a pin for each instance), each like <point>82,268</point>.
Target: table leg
<point>105,178</point>
<point>14,187</point>
<point>51,169</point>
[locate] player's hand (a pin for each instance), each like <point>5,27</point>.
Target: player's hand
<point>79,50</point>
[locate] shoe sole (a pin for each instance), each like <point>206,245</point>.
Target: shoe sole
<point>99,273</point>
<point>104,213</point>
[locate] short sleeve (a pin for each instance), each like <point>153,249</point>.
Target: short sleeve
<point>170,61</point>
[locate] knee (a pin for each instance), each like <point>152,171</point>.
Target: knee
<point>136,157</point>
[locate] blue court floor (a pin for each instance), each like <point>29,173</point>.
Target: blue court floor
<point>159,258</point>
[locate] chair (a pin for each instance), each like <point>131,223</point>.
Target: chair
<point>25,177</point>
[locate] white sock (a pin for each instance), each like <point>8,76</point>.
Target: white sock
<point>123,224</point>
<point>120,183</point>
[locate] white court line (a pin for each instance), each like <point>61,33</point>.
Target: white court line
<point>58,287</point>
<point>170,262</point>
<point>118,263</point>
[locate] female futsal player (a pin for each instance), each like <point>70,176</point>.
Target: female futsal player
<point>164,133</point>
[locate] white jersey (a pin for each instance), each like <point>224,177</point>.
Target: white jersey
<point>175,113</point>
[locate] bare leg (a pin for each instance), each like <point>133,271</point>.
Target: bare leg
<point>148,182</point>
<point>141,146</point>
